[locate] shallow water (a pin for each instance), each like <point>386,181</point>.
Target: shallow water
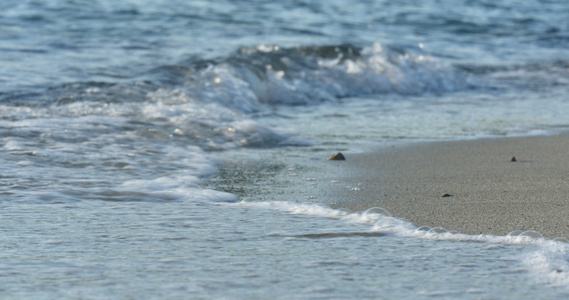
<point>258,250</point>
<point>154,148</point>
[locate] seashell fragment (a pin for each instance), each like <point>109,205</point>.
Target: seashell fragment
<point>338,156</point>
<point>446,195</point>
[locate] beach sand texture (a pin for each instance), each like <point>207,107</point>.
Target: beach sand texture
<point>488,192</point>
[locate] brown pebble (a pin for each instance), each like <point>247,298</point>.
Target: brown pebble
<point>446,195</point>
<point>513,158</point>
<point>338,156</point>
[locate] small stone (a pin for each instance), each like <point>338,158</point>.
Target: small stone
<point>338,156</point>
<point>446,195</point>
<point>513,158</point>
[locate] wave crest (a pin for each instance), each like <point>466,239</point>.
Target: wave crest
<point>269,75</point>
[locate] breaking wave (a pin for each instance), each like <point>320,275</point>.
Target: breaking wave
<point>270,75</point>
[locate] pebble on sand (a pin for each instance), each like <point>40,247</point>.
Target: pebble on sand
<point>338,156</point>
<point>513,158</point>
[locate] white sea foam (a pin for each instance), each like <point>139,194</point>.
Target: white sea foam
<point>309,75</point>
<point>380,219</point>
<point>120,151</point>
<point>12,145</point>
<point>547,260</point>
<point>550,264</point>
<point>181,187</point>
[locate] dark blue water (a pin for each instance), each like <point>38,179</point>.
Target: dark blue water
<point>46,43</point>
<point>115,116</point>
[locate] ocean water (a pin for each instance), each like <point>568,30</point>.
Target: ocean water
<point>145,146</point>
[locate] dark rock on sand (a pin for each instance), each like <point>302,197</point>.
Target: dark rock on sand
<point>338,156</point>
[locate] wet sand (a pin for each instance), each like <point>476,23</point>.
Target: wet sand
<point>488,192</point>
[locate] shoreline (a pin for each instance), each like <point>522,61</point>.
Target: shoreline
<point>489,194</point>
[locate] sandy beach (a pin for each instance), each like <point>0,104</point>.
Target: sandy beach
<point>488,192</point>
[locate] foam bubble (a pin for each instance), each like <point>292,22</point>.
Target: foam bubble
<point>377,211</point>
<point>532,234</point>
<point>438,230</point>
<point>515,233</point>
